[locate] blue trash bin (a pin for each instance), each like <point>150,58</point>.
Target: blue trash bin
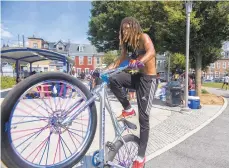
<point>192,93</point>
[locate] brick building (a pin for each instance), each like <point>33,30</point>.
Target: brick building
<point>219,68</point>
<point>85,55</point>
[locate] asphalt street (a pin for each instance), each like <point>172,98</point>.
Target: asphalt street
<point>208,148</point>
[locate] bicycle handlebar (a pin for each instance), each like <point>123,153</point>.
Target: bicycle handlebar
<point>105,75</point>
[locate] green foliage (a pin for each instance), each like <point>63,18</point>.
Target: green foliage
<point>204,91</point>
<point>165,22</point>
<point>7,82</point>
<point>109,57</point>
<point>177,61</point>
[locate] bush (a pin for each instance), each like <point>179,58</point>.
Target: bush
<point>204,91</point>
<point>7,82</point>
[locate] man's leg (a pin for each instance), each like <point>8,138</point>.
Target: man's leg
<point>117,82</point>
<point>223,85</point>
<point>145,93</point>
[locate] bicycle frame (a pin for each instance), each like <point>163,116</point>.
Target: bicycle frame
<point>101,92</point>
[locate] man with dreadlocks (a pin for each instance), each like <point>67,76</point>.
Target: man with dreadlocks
<point>139,49</point>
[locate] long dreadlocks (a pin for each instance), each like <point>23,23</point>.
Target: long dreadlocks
<point>132,36</point>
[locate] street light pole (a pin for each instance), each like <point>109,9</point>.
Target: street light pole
<point>168,76</point>
<point>188,6</point>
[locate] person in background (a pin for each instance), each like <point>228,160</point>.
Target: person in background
<point>96,80</point>
<point>158,78</point>
<point>191,85</point>
<point>131,94</point>
<point>226,81</point>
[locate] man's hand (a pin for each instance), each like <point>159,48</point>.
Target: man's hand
<point>135,64</point>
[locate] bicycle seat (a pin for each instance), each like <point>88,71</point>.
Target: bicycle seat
<point>129,124</point>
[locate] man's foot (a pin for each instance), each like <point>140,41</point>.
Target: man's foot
<point>138,164</point>
<point>128,114</point>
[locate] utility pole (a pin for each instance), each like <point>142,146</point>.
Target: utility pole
<point>188,5</point>
<point>23,39</point>
<point>168,76</point>
<point>18,41</point>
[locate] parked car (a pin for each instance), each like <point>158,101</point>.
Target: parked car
<point>208,80</point>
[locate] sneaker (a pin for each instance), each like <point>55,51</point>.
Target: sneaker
<point>127,114</point>
<point>138,164</point>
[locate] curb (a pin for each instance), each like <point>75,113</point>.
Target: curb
<point>173,144</point>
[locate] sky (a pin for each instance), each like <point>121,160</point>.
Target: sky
<point>51,21</point>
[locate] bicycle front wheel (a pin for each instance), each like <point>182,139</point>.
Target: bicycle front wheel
<point>31,117</point>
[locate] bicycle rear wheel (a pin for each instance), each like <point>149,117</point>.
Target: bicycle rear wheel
<point>32,133</point>
<point>124,155</point>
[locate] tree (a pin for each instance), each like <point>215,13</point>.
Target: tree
<point>165,22</point>
<point>177,61</point>
<point>104,24</point>
<point>109,57</point>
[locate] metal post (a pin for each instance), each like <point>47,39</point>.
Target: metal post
<point>30,67</point>
<point>23,38</point>
<point>17,69</point>
<point>67,67</point>
<point>64,67</point>
<point>188,6</point>
<point>18,41</point>
<point>168,69</point>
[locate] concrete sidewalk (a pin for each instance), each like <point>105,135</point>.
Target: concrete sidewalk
<point>168,126</point>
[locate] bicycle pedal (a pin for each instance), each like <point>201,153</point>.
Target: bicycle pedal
<point>111,146</point>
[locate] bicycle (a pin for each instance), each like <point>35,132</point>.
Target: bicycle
<point>51,124</point>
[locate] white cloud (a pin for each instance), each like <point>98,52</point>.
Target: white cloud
<point>5,33</point>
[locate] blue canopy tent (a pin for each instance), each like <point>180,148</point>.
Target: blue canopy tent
<point>31,55</point>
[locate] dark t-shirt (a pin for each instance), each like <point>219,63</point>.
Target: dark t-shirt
<point>98,81</point>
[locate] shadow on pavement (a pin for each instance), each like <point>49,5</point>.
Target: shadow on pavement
<point>86,162</point>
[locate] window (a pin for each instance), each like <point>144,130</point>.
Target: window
<point>89,60</point>
<point>80,48</point>
<point>81,60</point>
<point>52,68</point>
<point>158,64</point>
<point>224,65</point>
<point>213,65</point>
<point>97,60</point>
<point>164,63</point>
<point>226,54</point>
<point>45,69</point>
<point>78,71</point>
<point>218,65</point>
<point>86,71</point>
<point>46,46</point>
<point>211,74</point>
<point>216,74</point>
<point>35,45</point>
<point>204,74</point>
<point>60,48</point>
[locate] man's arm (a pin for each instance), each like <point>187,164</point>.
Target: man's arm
<point>119,60</point>
<point>149,48</point>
